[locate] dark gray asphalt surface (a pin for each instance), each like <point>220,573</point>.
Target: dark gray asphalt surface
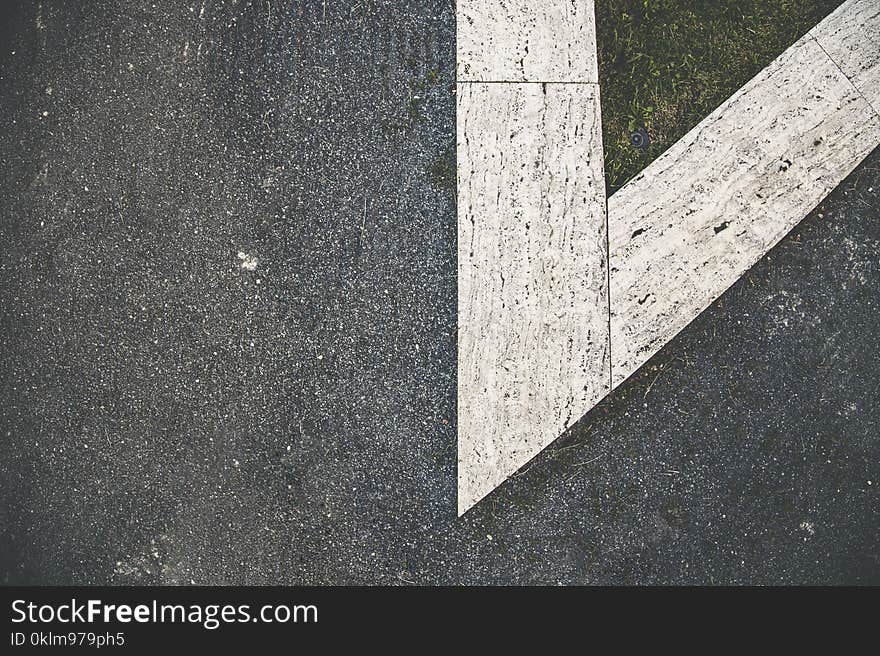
<point>228,333</point>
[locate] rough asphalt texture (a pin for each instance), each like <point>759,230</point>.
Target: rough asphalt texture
<point>228,333</point>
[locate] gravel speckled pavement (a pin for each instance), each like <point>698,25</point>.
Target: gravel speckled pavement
<point>228,333</point>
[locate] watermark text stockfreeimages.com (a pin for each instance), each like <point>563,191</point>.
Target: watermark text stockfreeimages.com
<point>210,616</point>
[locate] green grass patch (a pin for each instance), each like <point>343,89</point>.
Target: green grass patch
<point>666,64</point>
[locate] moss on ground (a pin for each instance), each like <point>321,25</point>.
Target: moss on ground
<point>441,172</point>
<point>666,64</point>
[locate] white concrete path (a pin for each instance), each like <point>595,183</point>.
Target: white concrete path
<point>535,306</point>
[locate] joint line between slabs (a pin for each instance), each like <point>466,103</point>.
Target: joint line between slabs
<point>594,84</point>
<point>608,280</point>
<point>842,72</point>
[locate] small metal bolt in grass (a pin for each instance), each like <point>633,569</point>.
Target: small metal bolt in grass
<point>640,139</point>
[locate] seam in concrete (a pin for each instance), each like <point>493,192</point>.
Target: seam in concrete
<point>844,73</point>
<point>596,84</point>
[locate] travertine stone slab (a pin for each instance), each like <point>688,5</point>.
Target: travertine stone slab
<point>526,41</point>
<point>532,281</point>
<point>704,212</point>
<point>851,37</point>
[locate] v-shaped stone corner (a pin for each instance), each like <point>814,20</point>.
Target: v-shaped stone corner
<point>535,301</point>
